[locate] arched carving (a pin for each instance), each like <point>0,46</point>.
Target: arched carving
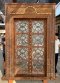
<point>30,9</point>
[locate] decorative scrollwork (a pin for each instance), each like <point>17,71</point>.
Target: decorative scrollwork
<point>38,60</point>
<point>21,26</point>
<point>37,26</point>
<point>37,40</point>
<point>22,39</point>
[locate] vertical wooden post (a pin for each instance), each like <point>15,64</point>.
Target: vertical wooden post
<point>45,81</point>
<point>10,81</point>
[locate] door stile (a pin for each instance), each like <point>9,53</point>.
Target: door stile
<point>30,48</point>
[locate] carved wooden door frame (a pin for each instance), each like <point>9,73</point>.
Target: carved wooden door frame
<point>29,11</point>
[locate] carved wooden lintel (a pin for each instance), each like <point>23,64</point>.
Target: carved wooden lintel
<point>30,8</point>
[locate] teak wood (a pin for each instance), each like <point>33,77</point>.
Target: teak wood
<point>45,81</point>
<point>10,81</point>
<point>22,21</point>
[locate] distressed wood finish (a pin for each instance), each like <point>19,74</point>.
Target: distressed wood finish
<point>45,81</point>
<point>30,12</point>
<point>10,81</point>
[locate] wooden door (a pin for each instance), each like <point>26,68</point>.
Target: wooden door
<point>30,47</point>
<point>29,41</point>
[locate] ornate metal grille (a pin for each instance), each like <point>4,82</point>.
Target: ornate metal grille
<point>29,46</point>
<point>37,26</point>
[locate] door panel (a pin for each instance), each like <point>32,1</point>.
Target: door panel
<point>37,40</point>
<point>37,26</point>
<point>38,47</point>
<point>38,60</point>
<point>22,40</point>
<point>21,46</point>
<point>22,26</point>
<point>30,47</point>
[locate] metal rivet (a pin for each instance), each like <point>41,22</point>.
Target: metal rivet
<point>30,67</point>
<point>30,70</point>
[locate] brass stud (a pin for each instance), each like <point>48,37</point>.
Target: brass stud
<point>30,57</point>
<point>30,64</point>
<point>30,70</point>
<point>30,60</point>
<point>30,67</point>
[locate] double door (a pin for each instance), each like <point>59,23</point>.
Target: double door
<point>30,47</point>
